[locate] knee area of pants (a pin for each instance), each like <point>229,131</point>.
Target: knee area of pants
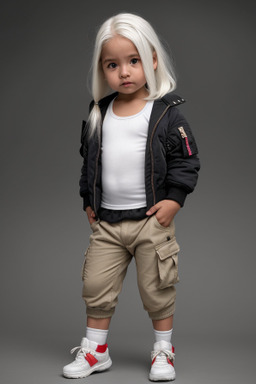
<point>156,300</point>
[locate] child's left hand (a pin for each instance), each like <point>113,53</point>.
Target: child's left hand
<point>165,211</point>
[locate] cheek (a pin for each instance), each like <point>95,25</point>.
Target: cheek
<point>110,77</point>
<point>105,75</point>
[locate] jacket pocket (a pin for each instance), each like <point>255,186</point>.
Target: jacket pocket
<point>189,146</point>
<point>168,263</point>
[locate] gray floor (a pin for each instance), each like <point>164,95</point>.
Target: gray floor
<point>199,360</point>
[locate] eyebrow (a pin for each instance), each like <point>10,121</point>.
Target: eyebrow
<point>129,56</point>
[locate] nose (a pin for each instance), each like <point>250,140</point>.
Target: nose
<point>124,72</point>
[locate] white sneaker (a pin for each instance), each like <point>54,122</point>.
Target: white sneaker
<point>90,357</point>
<point>162,362</point>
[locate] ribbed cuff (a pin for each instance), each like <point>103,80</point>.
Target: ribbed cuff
<point>86,202</point>
<point>162,314</point>
<point>177,194</point>
<point>98,313</point>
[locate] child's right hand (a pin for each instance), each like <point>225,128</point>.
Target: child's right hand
<point>91,215</point>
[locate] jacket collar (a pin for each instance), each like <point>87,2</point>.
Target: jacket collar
<point>172,99</point>
<point>169,100</point>
<point>160,107</point>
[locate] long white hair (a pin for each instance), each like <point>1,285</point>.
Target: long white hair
<point>142,35</point>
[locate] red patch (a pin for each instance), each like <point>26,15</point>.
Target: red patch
<point>102,348</point>
<point>91,359</point>
<point>153,361</point>
<point>188,147</point>
<point>169,361</point>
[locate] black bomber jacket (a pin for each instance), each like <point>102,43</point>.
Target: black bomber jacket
<point>171,161</point>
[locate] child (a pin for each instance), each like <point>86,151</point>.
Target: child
<point>140,162</point>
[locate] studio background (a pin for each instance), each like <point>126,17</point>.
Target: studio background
<point>46,54</point>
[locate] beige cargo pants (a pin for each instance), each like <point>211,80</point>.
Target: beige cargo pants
<point>111,249</point>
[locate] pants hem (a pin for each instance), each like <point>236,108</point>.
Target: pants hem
<point>162,314</point>
<point>98,313</point>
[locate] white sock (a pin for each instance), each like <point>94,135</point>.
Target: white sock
<point>97,335</point>
<point>163,335</point>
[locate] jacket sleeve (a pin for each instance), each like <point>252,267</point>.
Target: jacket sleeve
<point>182,159</point>
<point>83,183</point>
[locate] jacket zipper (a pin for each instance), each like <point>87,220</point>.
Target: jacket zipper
<point>185,137</point>
<point>152,155</point>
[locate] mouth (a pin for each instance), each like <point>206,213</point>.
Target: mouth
<point>126,83</point>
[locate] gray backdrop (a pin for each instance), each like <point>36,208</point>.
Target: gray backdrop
<point>46,52</point>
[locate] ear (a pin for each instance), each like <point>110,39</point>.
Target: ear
<point>154,60</point>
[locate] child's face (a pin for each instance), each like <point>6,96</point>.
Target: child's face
<point>122,67</point>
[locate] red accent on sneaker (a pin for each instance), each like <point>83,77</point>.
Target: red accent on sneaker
<point>153,361</point>
<point>169,361</point>
<point>101,348</point>
<point>91,359</point>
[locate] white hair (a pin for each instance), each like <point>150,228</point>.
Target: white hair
<point>142,35</point>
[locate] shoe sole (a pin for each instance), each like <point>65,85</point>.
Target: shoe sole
<point>153,377</point>
<point>98,368</point>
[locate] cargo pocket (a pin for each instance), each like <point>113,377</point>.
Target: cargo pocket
<point>168,263</point>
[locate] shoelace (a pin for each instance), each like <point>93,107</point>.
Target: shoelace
<point>82,351</point>
<point>167,353</point>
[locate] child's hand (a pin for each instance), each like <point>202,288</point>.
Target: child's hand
<point>165,211</point>
<point>90,214</point>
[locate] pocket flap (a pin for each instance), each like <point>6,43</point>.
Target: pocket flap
<point>168,249</point>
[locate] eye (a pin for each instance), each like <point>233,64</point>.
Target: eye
<point>134,61</point>
<point>112,65</point>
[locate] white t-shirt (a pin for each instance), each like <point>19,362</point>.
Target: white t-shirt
<point>123,159</point>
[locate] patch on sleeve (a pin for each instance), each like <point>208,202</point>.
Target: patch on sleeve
<point>185,138</point>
